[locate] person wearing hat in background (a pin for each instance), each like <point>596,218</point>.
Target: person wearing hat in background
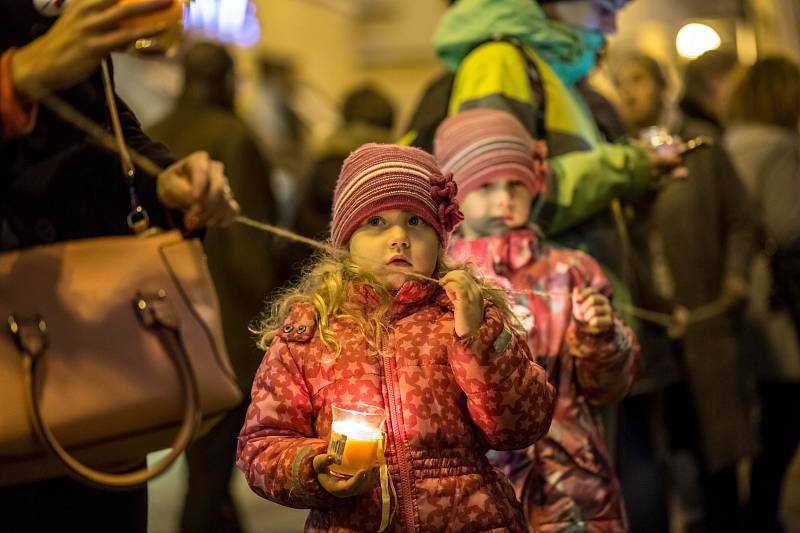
<point>566,481</point>
<point>440,357</point>
<point>57,184</point>
<point>242,263</point>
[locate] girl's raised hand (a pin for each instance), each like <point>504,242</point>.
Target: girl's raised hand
<point>467,300</point>
<point>592,310</point>
<point>361,482</point>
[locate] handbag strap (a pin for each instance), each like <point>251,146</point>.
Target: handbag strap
<point>156,315</point>
<point>138,219</point>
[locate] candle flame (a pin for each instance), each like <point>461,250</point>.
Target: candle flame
<point>356,429</point>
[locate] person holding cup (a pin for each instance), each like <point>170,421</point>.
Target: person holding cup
<point>388,327</point>
<point>56,184</point>
<point>697,371</point>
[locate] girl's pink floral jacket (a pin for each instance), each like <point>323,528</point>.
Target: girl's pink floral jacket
<point>565,482</point>
<point>447,403</point>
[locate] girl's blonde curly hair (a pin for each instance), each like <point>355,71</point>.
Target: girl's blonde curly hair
<point>327,283</point>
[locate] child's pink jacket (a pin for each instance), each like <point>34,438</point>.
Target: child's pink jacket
<point>565,482</point>
<point>447,403</point>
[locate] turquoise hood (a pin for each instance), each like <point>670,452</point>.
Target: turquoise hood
<point>571,51</point>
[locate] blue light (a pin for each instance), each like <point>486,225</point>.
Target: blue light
<point>235,24</point>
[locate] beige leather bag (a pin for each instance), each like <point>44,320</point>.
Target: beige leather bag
<point>112,349</point>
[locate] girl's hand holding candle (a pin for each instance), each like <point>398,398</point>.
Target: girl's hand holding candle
<point>360,482</point>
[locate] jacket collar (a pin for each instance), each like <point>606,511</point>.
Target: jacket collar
<point>411,296</point>
<point>503,254</point>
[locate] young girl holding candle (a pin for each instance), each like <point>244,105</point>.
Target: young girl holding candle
<point>392,325</point>
<point>565,482</point>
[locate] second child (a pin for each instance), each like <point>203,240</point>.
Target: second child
<point>565,482</point>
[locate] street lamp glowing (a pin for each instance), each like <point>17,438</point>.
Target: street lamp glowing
<point>696,39</point>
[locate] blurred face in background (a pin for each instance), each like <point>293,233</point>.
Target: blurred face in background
<point>495,208</point>
<point>593,15</point>
<point>640,94</point>
<point>718,94</point>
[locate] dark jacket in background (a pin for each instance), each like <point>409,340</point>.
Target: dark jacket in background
<point>768,160</point>
<point>240,258</point>
<point>245,271</point>
<point>706,229</point>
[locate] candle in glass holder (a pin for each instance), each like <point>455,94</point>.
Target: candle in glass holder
<point>172,16</point>
<point>356,431</point>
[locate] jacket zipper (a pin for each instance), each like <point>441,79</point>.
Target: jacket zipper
<point>403,460</point>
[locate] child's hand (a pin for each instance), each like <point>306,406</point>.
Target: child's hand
<point>467,300</point>
<point>361,482</point>
<point>592,311</point>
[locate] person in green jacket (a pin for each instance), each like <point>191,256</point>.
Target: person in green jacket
<point>526,58</point>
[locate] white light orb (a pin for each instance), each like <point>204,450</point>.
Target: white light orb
<point>696,39</point>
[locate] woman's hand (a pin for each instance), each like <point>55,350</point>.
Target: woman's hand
<point>592,311</point>
<point>467,300</point>
<point>361,482</point>
<point>665,166</point>
<point>86,32</point>
<point>197,185</point>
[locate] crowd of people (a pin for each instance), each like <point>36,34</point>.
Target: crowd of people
<point>488,281</point>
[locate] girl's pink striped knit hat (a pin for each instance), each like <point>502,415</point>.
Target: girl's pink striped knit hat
<point>381,177</point>
<point>486,145</point>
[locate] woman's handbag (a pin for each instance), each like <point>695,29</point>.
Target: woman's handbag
<point>112,348</point>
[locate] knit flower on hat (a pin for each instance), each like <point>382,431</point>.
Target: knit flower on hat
<point>444,190</point>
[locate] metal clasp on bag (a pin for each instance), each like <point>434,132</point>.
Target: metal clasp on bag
<point>154,310</point>
<point>138,219</point>
<point>29,333</point>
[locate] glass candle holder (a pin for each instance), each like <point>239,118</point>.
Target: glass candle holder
<point>356,431</point>
<point>162,43</point>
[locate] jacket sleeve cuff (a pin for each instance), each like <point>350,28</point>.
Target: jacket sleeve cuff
<point>17,117</point>
<point>491,338</point>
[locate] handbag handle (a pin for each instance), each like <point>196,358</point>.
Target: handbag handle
<point>156,315</point>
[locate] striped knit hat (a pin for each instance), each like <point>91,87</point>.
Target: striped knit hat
<point>381,177</point>
<point>486,145</point>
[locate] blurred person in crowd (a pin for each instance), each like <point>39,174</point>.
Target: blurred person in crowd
<point>695,241</point>
<point>367,116</point>
<point>605,113</point>
<point>241,262</point>
<point>764,144</point>
<point>707,85</point>
<point>271,114</point>
<point>58,184</point>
